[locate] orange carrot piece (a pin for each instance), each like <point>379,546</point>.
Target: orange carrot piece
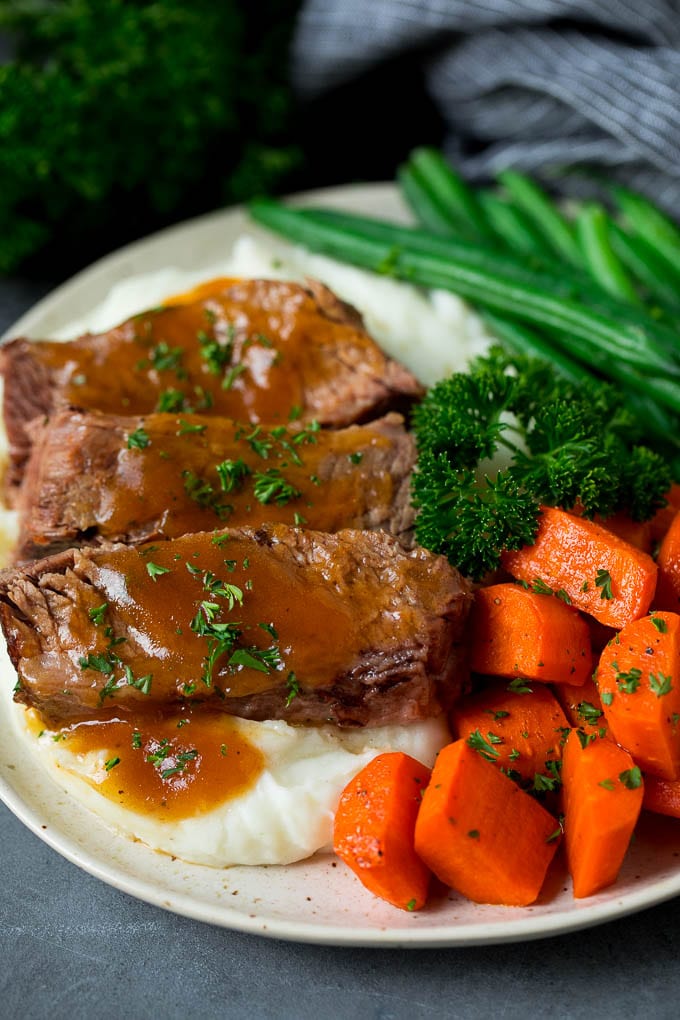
<point>519,732</point>
<point>662,796</point>
<point>374,827</point>
<point>663,518</point>
<point>516,632</point>
<point>602,801</point>
<point>590,564</point>
<point>582,707</point>
<point>480,833</point>
<point>637,533</point>
<point>668,561</point>
<point>639,681</point>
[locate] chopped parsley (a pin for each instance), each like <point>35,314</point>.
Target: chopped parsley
<point>355,458</point>
<point>588,712</point>
<point>186,428</point>
<point>98,613</point>
<point>607,697</point>
<point>660,684</point>
<point>604,582</point>
<point>138,440</point>
<point>154,570</point>
<point>484,745</point>
<point>631,778</point>
<point>203,493</point>
<point>293,688</point>
<point>111,764</point>
<point>271,487</point>
<point>630,681</point>
<point>171,401</point>
<point>659,624</point>
<point>519,686</point>
<point>232,474</point>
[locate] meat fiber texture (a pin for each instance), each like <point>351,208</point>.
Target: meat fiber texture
<point>364,632</point>
<point>251,350</point>
<point>88,480</point>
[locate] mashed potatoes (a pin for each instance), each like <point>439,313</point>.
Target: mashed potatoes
<point>287,813</point>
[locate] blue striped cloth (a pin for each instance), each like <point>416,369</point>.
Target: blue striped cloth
<point>533,84</point>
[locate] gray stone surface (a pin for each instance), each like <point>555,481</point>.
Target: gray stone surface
<point>72,948</point>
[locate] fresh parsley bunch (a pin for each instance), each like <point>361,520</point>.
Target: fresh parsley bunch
<point>116,117</point>
<point>566,446</point>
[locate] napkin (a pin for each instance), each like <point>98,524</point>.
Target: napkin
<point>539,85</point>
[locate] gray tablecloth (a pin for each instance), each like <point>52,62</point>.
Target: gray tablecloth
<point>534,84</point>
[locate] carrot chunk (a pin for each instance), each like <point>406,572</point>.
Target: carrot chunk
<point>480,833</point>
<point>582,707</point>
<point>518,732</point>
<point>662,796</point>
<point>374,827</point>
<point>602,801</point>
<point>637,533</point>
<point>668,561</point>
<point>639,681</point>
<point>516,632</point>
<point>602,574</point>
<point>663,518</point>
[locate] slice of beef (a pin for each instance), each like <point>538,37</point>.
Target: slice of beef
<point>94,477</point>
<point>347,628</point>
<point>251,350</point>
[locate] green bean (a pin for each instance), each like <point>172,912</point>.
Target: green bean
<point>512,226</point>
<point>643,347</point>
<point>660,277</point>
<point>526,341</point>
<point>452,192</point>
<point>647,220</point>
<point>536,204</point>
<point>425,208</point>
<point>604,266</point>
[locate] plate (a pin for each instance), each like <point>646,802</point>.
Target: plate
<point>319,900</point>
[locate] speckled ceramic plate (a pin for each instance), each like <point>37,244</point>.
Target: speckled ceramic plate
<point>315,901</point>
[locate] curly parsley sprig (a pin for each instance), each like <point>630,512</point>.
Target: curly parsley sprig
<point>566,445</point>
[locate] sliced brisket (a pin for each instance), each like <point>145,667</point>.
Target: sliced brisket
<point>347,628</point>
<point>95,477</point>
<point>252,350</point>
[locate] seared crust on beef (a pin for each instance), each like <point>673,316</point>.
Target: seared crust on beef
<point>84,484</point>
<point>293,346</point>
<point>368,633</point>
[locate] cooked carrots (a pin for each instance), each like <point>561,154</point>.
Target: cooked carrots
<point>602,801</point>
<point>639,681</point>
<point>582,706</point>
<point>374,827</point>
<point>519,732</point>
<point>518,632</point>
<point>663,518</point>
<point>480,833</point>
<point>662,796</point>
<point>668,561</point>
<point>601,574</point>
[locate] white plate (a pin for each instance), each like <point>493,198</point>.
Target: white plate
<point>315,901</point>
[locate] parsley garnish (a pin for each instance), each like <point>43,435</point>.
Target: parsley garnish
<point>293,688</point>
<point>205,495</point>
<point>607,697</point>
<point>588,712</point>
<point>603,580</point>
<point>484,745</point>
<point>171,401</point>
<point>519,686</point>
<point>185,428</point>
<point>630,681</point>
<point>138,440</point>
<point>411,905</point>
<point>154,570</point>
<point>271,487</point>
<point>539,587</point>
<point>98,613</point>
<point>355,458</point>
<point>111,764</point>
<point>659,624</point>
<point>607,784</point>
<point>136,740</point>
<point>232,474</point>
<point>167,359</point>
<point>660,684</point>
<point>631,778</point>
